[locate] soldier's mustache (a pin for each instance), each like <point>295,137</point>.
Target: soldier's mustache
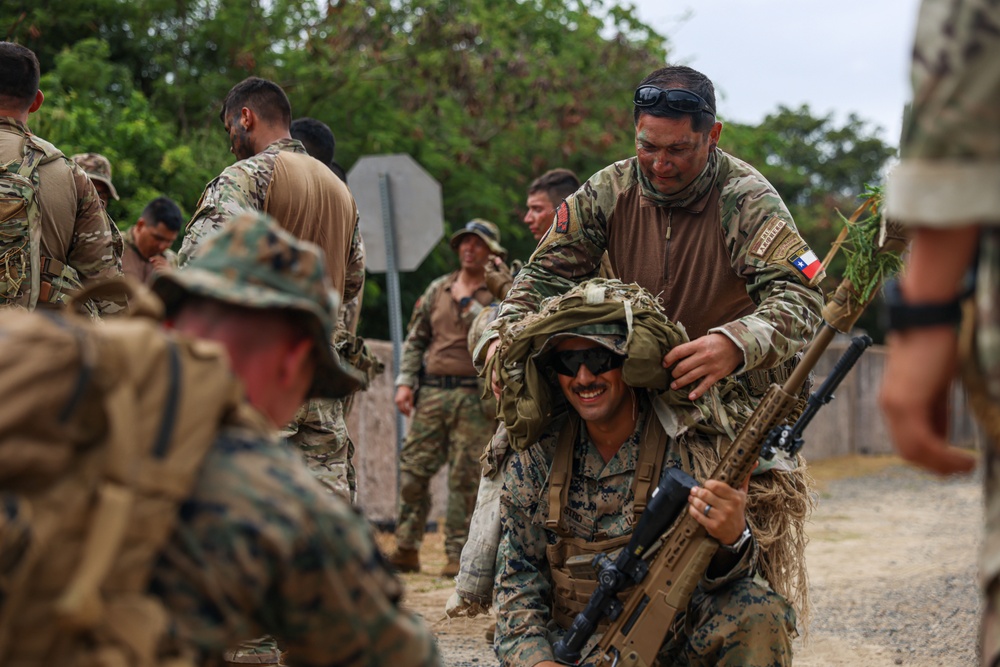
<point>594,386</point>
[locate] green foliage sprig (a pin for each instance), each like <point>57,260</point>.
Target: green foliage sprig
<point>868,266</point>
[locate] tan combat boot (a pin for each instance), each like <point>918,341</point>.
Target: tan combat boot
<point>405,560</point>
<point>451,568</point>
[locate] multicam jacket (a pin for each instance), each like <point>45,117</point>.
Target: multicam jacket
<point>261,547</point>
<point>244,187</point>
<point>724,256</point>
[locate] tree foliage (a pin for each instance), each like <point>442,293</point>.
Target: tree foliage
<point>484,95</point>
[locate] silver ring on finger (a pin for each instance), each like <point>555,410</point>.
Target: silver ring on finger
<point>708,508</point>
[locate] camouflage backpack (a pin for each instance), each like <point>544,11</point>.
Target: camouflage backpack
<point>20,231</point>
<point>27,278</point>
<point>103,429</point>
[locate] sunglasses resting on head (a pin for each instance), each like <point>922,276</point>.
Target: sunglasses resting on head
<point>675,99</point>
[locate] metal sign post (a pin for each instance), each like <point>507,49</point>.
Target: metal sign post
<point>401,220</point>
<point>392,285</point>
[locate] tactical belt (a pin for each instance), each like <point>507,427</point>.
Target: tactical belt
<point>449,381</point>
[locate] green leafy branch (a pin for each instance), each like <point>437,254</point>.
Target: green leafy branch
<point>868,265</point>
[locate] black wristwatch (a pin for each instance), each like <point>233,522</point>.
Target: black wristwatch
<point>736,546</point>
<point>898,315</point>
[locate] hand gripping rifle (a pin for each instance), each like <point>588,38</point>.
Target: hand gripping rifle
<point>640,625</point>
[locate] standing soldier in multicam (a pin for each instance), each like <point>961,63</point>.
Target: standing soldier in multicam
<point>449,424</point>
<point>946,188</point>
<point>56,234</point>
<point>276,175</point>
<point>579,481</point>
<point>695,226</point>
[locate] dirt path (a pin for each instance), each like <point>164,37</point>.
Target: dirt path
<point>892,564</point>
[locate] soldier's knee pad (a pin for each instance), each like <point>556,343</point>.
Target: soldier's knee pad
<point>412,487</point>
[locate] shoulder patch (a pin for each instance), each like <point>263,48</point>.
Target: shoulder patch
<point>781,250</point>
<point>805,262</point>
<point>767,236</point>
<point>562,218</point>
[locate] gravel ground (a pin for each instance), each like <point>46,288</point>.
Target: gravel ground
<point>892,563</point>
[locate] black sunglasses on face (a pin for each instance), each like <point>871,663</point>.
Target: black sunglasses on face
<point>676,99</point>
<point>597,360</point>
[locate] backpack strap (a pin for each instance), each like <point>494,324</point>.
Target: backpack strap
<point>559,473</point>
<point>32,157</point>
<point>652,450</point>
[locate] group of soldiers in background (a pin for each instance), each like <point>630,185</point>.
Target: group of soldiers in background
<point>720,295</point>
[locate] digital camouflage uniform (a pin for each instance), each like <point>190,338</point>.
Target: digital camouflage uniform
<point>735,619</point>
<point>319,428</point>
<point>263,548</point>
<point>448,426</point>
<point>949,176</point>
<point>76,232</point>
<point>260,546</point>
<point>760,240</point>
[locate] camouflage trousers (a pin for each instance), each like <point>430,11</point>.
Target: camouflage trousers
<point>320,431</point>
<point>448,426</point>
<point>741,624</point>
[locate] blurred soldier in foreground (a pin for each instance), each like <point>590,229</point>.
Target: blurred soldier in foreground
<point>581,479</point>
<point>42,189</point>
<point>148,241</point>
<point>262,547</point>
<point>448,426</point>
<point>947,189</point>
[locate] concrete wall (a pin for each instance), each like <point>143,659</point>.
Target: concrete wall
<point>850,424</point>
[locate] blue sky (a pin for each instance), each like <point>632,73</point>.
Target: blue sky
<point>837,56</point>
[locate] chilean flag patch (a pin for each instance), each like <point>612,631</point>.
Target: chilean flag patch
<point>807,263</point>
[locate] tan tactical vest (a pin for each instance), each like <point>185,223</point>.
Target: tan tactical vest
<point>574,579</point>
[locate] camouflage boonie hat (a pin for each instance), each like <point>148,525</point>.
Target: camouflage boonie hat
<point>484,229</point>
<point>255,263</point>
<point>612,335</point>
<point>98,168</point>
